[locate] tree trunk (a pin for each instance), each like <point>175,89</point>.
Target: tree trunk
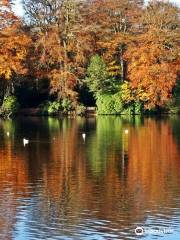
<point>122,69</point>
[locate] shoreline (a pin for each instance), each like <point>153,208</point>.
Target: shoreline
<point>35,112</point>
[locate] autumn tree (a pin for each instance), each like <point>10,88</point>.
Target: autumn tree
<point>120,21</point>
<point>153,58</point>
<point>60,44</point>
<point>136,45</point>
<point>76,29</point>
<point>13,48</point>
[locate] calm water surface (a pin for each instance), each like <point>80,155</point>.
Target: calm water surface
<point>62,187</point>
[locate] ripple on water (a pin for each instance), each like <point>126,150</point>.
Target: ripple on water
<point>59,187</point>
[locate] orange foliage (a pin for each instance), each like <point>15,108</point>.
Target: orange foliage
<point>13,43</point>
<point>141,50</point>
<point>152,68</point>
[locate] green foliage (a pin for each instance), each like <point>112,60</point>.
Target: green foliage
<point>173,106</point>
<point>10,106</point>
<point>113,104</point>
<point>118,104</point>
<point>80,110</point>
<point>98,80</point>
<point>96,75</point>
<point>56,107</point>
<point>50,108</point>
<point>174,110</point>
<point>66,105</point>
<point>134,108</point>
<point>138,108</point>
<point>105,104</point>
<point>122,102</point>
<point>109,104</point>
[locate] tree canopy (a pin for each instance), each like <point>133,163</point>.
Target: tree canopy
<point>124,49</point>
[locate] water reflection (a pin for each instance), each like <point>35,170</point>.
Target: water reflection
<point>62,187</point>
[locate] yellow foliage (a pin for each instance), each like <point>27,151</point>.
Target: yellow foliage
<point>126,93</point>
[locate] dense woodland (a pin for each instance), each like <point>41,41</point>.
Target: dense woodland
<point>119,55</point>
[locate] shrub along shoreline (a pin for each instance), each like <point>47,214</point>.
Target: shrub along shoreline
<point>105,106</point>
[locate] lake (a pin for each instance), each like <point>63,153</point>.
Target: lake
<point>124,175</point>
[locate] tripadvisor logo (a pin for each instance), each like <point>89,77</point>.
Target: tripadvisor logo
<point>139,231</point>
<point>149,230</point>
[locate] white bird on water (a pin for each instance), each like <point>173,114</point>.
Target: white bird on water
<point>84,136</point>
<point>25,141</point>
<point>8,134</point>
<point>126,131</point>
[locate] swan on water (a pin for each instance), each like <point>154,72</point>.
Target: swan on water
<point>126,131</point>
<point>84,136</point>
<point>25,141</point>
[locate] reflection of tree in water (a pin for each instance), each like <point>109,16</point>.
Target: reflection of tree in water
<point>13,179</point>
<point>154,160</point>
<point>105,143</point>
<point>111,176</point>
<point>176,128</point>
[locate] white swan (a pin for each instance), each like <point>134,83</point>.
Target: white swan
<point>84,136</point>
<point>126,131</point>
<point>8,134</point>
<point>25,141</point>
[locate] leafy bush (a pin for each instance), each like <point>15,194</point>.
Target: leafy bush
<point>80,110</point>
<point>66,105</point>
<point>173,106</point>
<point>174,110</point>
<point>132,109</point>
<point>113,104</point>
<point>110,104</point>
<point>50,108</point>
<point>135,108</point>
<point>126,111</point>
<point>10,106</point>
<point>54,108</point>
<point>105,104</point>
<point>118,104</point>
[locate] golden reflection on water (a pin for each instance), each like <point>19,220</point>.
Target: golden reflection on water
<point>114,176</point>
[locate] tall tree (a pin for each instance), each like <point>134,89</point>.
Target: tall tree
<point>13,46</point>
<point>58,27</point>
<point>153,57</point>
